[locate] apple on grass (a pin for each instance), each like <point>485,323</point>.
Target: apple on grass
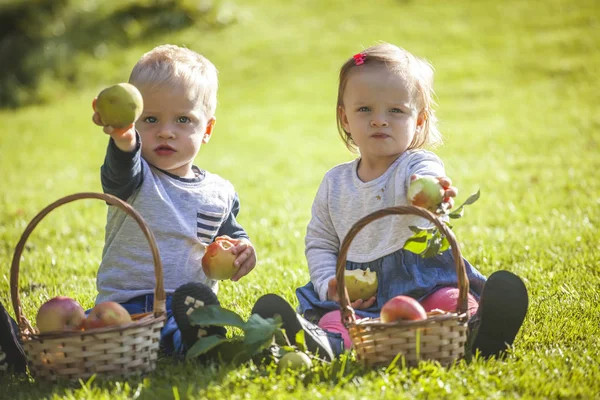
<point>426,192</point>
<point>294,360</point>
<point>108,313</point>
<point>402,308</point>
<point>361,284</point>
<point>59,314</point>
<point>218,261</point>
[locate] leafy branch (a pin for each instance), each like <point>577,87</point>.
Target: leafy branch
<point>428,242</point>
<point>260,336</point>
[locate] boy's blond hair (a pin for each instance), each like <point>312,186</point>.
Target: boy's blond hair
<point>168,64</point>
<point>418,75</point>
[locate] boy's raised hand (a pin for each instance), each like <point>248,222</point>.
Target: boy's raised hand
<point>246,258</point>
<point>357,304</point>
<point>124,138</point>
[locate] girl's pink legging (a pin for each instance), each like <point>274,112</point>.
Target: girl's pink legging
<point>445,299</point>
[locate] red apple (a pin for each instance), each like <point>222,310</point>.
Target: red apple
<point>218,260</point>
<point>106,314</point>
<point>426,192</point>
<point>60,314</point>
<point>402,307</point>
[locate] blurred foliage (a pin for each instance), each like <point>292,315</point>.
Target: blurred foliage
<point>41,39</point>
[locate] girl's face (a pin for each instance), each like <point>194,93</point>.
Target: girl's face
<point>172,128</point>
<point>379,114</point>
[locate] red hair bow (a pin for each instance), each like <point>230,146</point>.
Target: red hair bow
<point>359,59</point>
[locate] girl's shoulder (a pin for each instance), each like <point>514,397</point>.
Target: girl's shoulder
<point>342,169</point>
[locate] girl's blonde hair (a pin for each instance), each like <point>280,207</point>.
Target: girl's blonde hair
<point>168,64</point>
<point>418,75</point>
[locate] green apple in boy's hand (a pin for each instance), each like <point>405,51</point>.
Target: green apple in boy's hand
<point>361,284</point>
<point>426,192</point>
<point>218,261</point>
<point>119,105</point>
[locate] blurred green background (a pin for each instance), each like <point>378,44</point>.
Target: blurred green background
<point>517,87</point>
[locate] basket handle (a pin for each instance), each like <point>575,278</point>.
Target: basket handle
<point>348,316</point>
<point>159,291</point>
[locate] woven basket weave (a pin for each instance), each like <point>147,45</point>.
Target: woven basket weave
<point>439,337</point>
<point>123,350</point>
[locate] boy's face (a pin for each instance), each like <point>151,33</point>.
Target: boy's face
<point>172,128</point>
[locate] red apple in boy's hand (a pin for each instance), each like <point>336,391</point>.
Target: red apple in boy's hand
<point>60,314</point>
<point>426,192</point>
<point>218,260</point>
<point>106,314</point>
<point>402,307</point>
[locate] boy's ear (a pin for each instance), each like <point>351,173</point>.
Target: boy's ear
<point>210,125</point>
<point>344,118</point>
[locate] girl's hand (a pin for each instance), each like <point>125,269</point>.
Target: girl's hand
<point>124,138</point>
<point>246,258</point>
<point>449,192</point>
<point>357,304</point>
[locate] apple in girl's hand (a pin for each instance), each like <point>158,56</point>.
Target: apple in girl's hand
<point>60,313</point>
<point>361,284</point>
<point>104,314</point>
<point>218,260</point>
<point>402,307</point>
<point>426,192</point>
<point>119,105</point>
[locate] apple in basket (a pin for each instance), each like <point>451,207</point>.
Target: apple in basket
<point>402,307</point>
<point>108,313</point>
<point>361,284</point>
<point>60,313</point>
<point>218,260</point>
<point>426,192</point>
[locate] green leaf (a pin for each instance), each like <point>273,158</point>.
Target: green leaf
<point>417,243</point>
<point>433,246</point>
<point>471,199</point>
<point>215,315</point>
<point>205,344</point>
<point>259,331</point>
<point>300,341</point>
<point>460,211</point>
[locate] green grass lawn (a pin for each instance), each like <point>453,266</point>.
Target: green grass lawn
<point>517,87</point>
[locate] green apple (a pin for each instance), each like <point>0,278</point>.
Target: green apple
<point>294,361</point>
<point>119,105</point>
<point>426,192</point>
<point>361,284</point>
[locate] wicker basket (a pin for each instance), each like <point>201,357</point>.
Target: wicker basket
<point>130,349</point>
<point>439,337</point>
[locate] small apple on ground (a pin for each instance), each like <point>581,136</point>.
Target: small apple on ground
<point>294,361</point>
<point>106,314</point>
<point>361,284</point>
<point>60,313</point>
<point>119,105</point>
<point>426,192</point>
<point>402,307</point>
<point>218,260</point>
